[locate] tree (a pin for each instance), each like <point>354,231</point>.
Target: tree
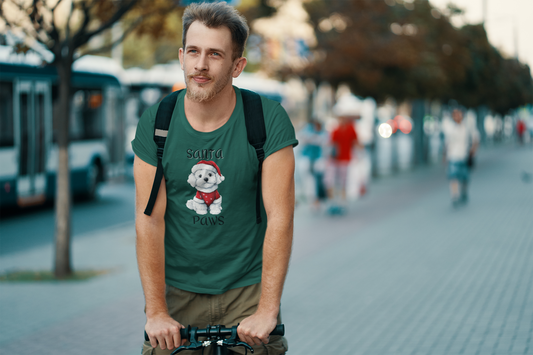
<point>501,84</point>
<point>386,49</point>
<point>160,37</point>
<point>410,50</point>
<point>65,27</point>
<point>356,46</point>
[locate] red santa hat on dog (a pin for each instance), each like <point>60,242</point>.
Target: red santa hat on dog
<point>208,165</point>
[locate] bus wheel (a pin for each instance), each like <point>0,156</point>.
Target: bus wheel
<point>93,178</point>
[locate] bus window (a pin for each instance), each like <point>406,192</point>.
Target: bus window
<point>86,115</point>
<point>7,135</point>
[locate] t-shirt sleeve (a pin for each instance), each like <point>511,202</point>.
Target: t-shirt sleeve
<point>143,144</point>
<point>279,128</point>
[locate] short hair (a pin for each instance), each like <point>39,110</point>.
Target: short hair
<point>215,15</point>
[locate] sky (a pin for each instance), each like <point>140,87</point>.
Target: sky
<point>509,23</point>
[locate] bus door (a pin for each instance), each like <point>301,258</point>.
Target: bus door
<point>34,131</point>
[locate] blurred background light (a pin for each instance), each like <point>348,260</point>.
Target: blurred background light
<point>325,25</point>
<point>385,130</point>
<point>396,28</point>
<point>405,126</point>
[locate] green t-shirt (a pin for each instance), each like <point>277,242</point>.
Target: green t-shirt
<point>212,240</point>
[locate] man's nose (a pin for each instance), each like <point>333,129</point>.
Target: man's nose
<point>201,64</point>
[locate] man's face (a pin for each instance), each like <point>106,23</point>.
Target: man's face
<point>207,61</point>
<point>457,116</point>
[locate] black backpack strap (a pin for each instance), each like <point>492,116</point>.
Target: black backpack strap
<point>255,127</point>
<point>162,123</point>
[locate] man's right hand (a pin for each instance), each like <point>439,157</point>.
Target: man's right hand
<point>164,331</point>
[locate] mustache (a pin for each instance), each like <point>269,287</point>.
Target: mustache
<point>190,76</point>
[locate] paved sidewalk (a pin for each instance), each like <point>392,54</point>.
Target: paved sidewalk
<point>402,273</point>
<point>405,273</point>
<point>103,315</point>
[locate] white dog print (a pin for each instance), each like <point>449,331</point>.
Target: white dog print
<point>205,177</point>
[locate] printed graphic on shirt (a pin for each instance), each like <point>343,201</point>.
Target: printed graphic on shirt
<point>205,177</point>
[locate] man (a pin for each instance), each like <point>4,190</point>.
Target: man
<point>202,257</point>
<point>343,140</point>
<point>461,142</point>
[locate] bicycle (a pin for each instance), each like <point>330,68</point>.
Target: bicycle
<point>219,336</point>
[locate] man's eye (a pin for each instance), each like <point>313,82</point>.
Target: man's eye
<point>216,54</point>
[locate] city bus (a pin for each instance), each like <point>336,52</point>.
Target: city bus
<point>29,100</point>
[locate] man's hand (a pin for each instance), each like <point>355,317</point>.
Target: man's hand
<point>165,331</point>
<point>256,329</point>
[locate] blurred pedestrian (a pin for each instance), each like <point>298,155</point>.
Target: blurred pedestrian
<point>313,140</point>
<point>343,140</point>
<point>461,143</point>
<point>520,130</point>
<point>203,259</point>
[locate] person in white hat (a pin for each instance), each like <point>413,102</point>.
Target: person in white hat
<point>343,140</point>
<point>199,265</point>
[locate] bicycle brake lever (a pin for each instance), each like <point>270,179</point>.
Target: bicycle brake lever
<point>193,346</point>
<point>179,349</point>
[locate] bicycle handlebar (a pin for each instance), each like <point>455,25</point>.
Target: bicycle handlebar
<point>217,331</point>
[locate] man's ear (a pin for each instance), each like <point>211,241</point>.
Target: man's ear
<point>181,58</point>
<point>240,64</point>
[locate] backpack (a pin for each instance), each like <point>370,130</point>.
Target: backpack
<point>255,129</point>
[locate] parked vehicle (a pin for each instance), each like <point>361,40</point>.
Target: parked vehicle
<point>28,151</point>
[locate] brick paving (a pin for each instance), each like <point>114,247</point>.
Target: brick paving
<point>421,277</point>
<point>402,273</point>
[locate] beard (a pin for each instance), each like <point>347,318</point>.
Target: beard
<point>206,92</point>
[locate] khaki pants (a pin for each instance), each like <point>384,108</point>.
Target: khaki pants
<point>229,309</point>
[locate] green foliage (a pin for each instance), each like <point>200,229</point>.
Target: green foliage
<point>454,10</point>
<point>410,50</point>
<point>501,84</point>
<point>159,35</point>
<point>254,9</point>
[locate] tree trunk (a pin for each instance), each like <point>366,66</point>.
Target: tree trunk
<point>418,113</point>
<point>481,112</point>
<point>63,193</point>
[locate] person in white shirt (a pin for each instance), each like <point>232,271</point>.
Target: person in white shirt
<point>461,142</point>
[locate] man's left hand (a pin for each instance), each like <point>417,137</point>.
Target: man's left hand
<point>256,329</point>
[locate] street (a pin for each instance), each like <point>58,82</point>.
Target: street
<point>402,273</point>
<point>24,230</point>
